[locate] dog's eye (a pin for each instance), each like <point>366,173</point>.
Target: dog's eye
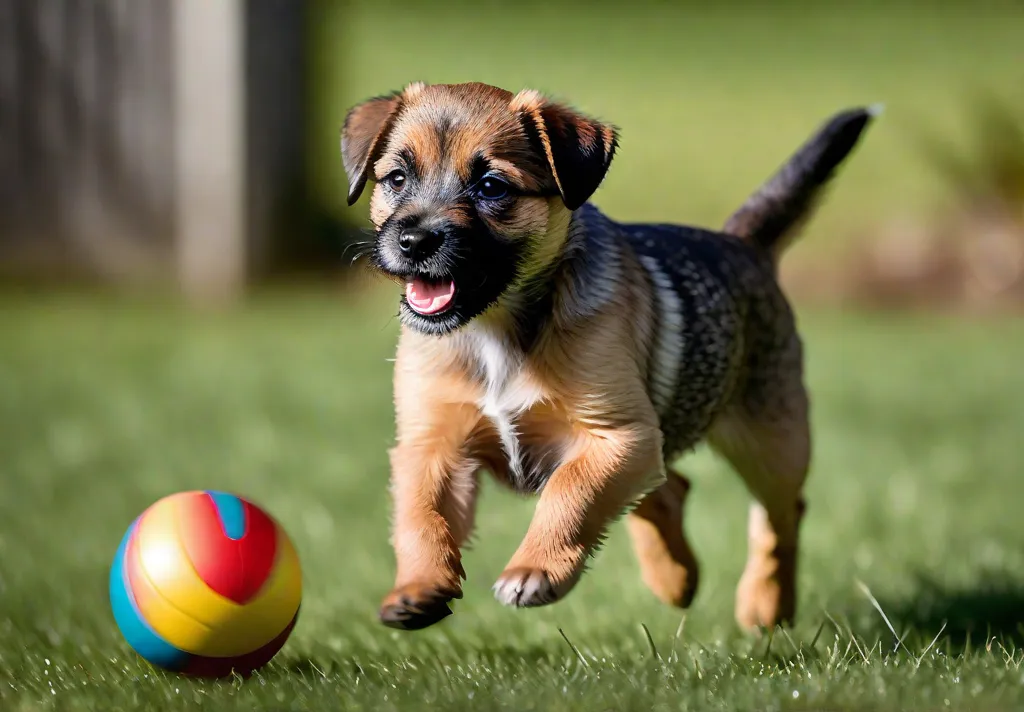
<point>396,181</point>
<point>492,189</point>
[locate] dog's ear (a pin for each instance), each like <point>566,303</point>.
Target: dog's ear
<point>579,149</point>
<point>365,132</point>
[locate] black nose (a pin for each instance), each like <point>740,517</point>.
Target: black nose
<point>419,244</point>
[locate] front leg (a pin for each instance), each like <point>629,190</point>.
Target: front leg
<point>605,471</point>
<point>434,486</point>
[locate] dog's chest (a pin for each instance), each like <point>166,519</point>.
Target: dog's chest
<point>510,400</point>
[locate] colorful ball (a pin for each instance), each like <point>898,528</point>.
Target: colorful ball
<point>206,584</point>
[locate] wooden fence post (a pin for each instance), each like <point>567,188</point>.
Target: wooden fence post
<point>210,139</point>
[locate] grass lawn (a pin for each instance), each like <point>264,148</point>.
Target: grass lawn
<point>916,492</point>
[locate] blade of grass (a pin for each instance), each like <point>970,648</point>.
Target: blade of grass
<point>650,641</point>
<point>917,665</point>
<point>574,649</point>
<point>874,602</point>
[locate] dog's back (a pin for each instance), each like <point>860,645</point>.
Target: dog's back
<point>720,314</point>
<point>726,335</point>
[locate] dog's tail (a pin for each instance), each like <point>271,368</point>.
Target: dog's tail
<point>770,216</point>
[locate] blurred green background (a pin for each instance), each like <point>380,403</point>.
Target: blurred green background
<point>111,398</point>
<point>710,98</point>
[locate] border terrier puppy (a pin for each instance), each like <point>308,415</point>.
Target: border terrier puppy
<point>574,357</point>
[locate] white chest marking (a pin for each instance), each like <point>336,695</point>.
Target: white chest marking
<point>668,341</point>
<point>507,392</point>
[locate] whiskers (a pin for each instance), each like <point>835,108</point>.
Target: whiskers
<point>358,249</point>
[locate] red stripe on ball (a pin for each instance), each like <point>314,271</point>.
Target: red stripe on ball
<point>214,556</point>
<point>258,549</point>
<point>236,569</point>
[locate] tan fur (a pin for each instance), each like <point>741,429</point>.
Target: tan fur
<point>608,442</point>
<point>573,411</point>
<point>580,396</point>
<point>772,457</point>
<point>667,563</point>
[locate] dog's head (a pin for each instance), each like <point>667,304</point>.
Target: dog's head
<point>473,191</point>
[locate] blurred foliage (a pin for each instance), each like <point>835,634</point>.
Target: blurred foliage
<point>989,172</point>
<point>968,252</point>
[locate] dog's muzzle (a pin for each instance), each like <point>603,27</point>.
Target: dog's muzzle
<point>426,296</point>
<point>417,244</point>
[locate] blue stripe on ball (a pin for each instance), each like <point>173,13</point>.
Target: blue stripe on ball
<point>231,512</point>
<point>143,639</point>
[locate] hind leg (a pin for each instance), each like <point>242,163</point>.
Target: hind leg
<point>770,449</point>
<point>766,595</point>
<point>667,563</point>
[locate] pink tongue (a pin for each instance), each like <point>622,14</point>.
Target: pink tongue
<point>429,298</point>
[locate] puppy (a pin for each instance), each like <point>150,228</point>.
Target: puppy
<point>574,357</point>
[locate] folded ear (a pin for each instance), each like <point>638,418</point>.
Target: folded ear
<point>364,134</point>
<point>579,149</point>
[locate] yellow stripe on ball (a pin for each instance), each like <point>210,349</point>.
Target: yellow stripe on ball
<point>273,608</point>
<point>186,613</point>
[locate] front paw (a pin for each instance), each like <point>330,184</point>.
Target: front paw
<point>525,588</point>
<point>416,606</point>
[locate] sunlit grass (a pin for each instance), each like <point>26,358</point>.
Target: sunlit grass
<point>916,490</point>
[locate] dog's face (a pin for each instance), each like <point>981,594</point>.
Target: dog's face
<point>473,191</point>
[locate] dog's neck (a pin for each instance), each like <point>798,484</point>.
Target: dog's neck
<point>591,267</point>
<point>566,289</point>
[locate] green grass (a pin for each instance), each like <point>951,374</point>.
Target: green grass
<point>710,98</point>
<point>106,406</point>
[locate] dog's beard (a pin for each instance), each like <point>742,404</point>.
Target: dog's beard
<point>467,276</point>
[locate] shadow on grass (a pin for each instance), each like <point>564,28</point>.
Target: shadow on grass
<point>992,608</point>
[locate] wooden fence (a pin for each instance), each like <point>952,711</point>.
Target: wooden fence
<point>150,140</point>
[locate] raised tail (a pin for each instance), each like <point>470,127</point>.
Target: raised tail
<point>772,214</point>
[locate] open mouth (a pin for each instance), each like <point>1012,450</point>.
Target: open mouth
<point>429,298</point>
